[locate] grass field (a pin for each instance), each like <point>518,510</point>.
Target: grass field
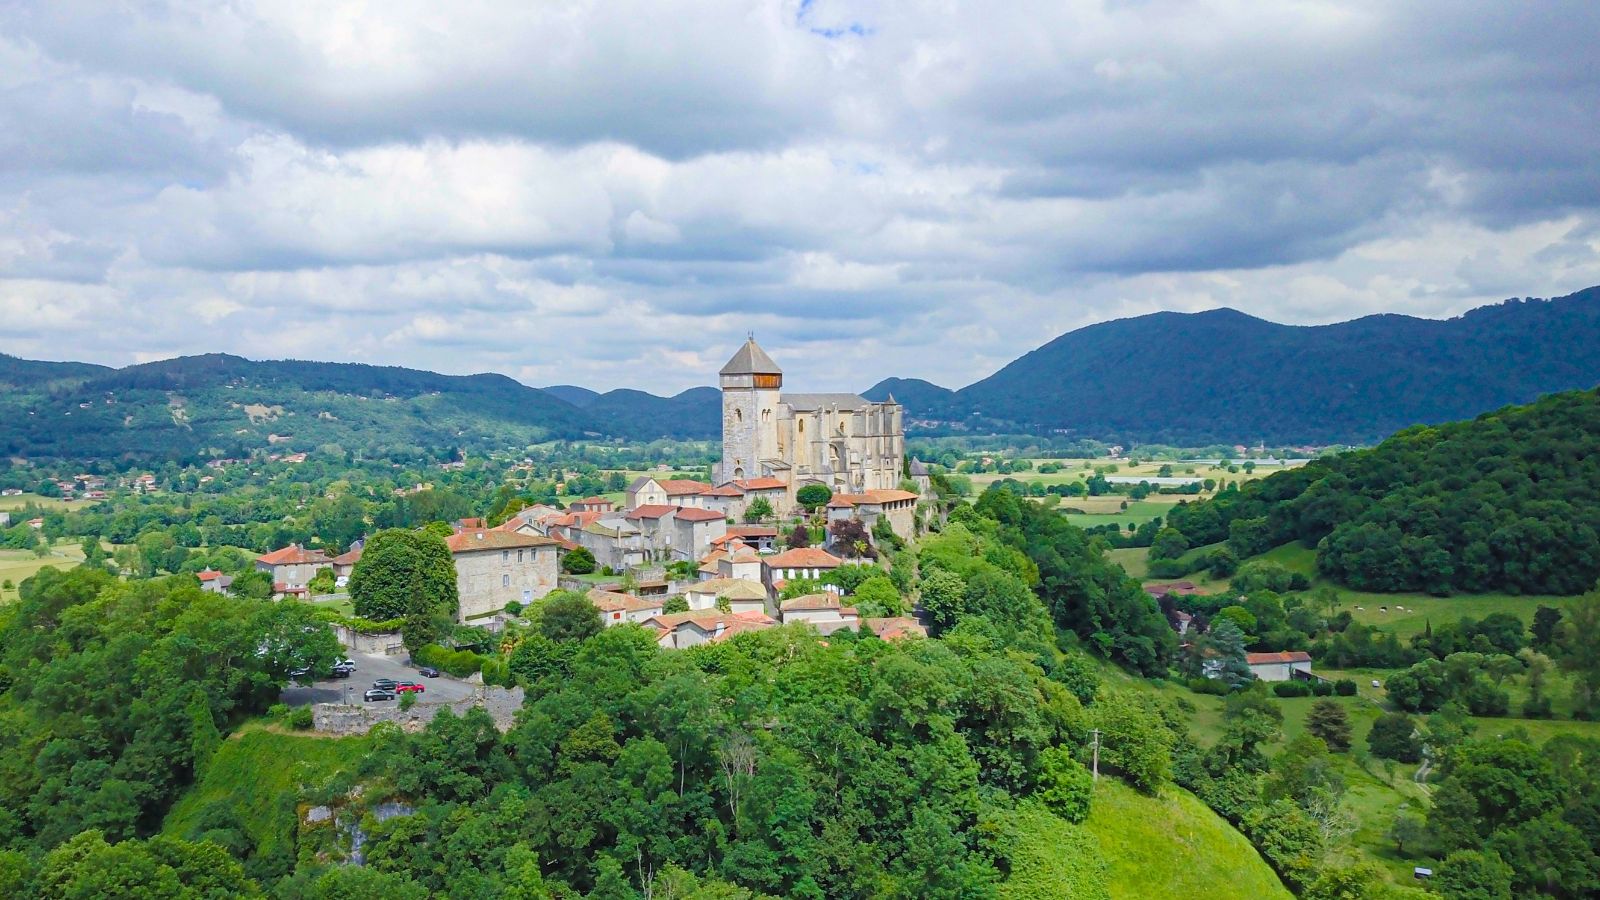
<point>259,773</point>
<point>1173,846</point>
<point>16,565</point>
<point>17,502</point>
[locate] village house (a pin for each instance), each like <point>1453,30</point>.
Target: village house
<point>894,628</point>
<point>292,568</point>
<point>494,568</point>
<point>736,560</point>
<point>616,542</point>
<point>344,564</point>
<point>761,538</point>
<point>213,581</point>
<point>742,595</point>
<point>592,504</point>
<point>895,505</point>
<point>617,607</point>
<point>1282,666</point>
<point>805,562</point>
<point>679,631</point>
<point>824,610</point>
<point>649,491</point>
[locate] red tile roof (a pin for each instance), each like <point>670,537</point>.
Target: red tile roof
<point>208,575</point>
<point>760,484</point>
<point>803,558</point>
<point>293,556</point>
<point>1288,656</point>
<point>823,600</point>
<point>691,514</point>
<point>724,490</point>
<point>474,541</point>
<point>752,531</point>
<point>676,487</point>
<point>896,627</point>
<point>348,558</point>
<point>650,511</point>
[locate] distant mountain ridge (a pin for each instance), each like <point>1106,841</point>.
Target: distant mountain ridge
<point>1222,376</point>
<point>1180,378</point>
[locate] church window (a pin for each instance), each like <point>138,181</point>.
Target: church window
<point>738,414</point>
<point>801,424</point>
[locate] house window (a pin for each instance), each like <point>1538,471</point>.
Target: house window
<point>505,581</point>
<point>505,557</point>
<point>519,556</point>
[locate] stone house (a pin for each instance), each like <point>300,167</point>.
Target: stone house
<point>648,491</point>
<point>898,506</point>
<point>343,565</point>
<point>805,562</point>
<point>678,631</point>
<point>291,568</point>
<point>617,608</point>
<point>592,504</point>
<point>693,530</point>
<point>494,568</point>
<point>825,610</point>
<point>214,581</point>
<point>742,595</point>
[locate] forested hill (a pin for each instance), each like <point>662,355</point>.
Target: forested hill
<point>1223,377</point>
<point>1509,501</point>
<point>228,405</point>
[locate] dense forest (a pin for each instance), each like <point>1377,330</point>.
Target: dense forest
<point>1509,501</point>
<point>1157,379</point>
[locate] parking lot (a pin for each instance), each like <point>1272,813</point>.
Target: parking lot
<point>369,668</point>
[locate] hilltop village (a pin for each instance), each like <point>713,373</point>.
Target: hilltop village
<point>807,483</point>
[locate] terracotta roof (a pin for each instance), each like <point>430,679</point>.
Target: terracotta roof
<point>691,514</point>
<point>708,619</point>
<point>676,487</point>
<point>651,511</point>
<point>824,600</point>
<point>470,523</point>
<point>208,575</point>
<point>474,541</point>
<point>282,587</point>
<point>616,601</point>
<point>803,558</point>
<point>348,558</point>
<point>842,501</point>
<point>890,495</point>
<point>724,490</point>
<point>732,588</point>
<point>588,500</point>
<point>1287,656</point>
<point>293,556</point>
<point>760,484</point>
<point>753,530</point>
<point>847,501</point>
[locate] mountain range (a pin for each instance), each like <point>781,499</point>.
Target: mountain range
<point>1180,378</point>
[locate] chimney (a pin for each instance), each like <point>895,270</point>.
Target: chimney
<point>480,535</point>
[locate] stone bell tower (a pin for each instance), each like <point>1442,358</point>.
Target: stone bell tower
<point>751,382</point>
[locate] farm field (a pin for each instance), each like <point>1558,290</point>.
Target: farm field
<point>21,500</point>
<point>15,565</point>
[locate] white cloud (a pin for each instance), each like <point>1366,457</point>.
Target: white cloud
<point>613,193</point>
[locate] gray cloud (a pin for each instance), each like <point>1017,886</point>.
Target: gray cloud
<point>613,194</point>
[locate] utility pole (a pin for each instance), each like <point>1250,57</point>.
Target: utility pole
<point>1096,733</point>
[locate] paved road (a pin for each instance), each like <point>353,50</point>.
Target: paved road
<point>443,689</point>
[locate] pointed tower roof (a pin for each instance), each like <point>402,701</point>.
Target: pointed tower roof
<point>751,360</point>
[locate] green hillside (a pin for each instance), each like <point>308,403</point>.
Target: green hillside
<point>1173,846</point>
<point>251,788</point>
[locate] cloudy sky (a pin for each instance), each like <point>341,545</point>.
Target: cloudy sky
<point>613,193</point>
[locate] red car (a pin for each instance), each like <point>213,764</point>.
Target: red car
<point>409,687</point>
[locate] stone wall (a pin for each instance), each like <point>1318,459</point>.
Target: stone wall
<point>388,643</point>
<point>338,718</point>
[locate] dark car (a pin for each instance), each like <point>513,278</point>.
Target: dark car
<point>383,684</point>
<point>409,687</point>
<point>378,695</point>
<point>428,672</point>
<point>339,673</point>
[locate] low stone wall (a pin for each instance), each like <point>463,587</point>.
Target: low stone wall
<point>388,643</point>
<point>338,718</point>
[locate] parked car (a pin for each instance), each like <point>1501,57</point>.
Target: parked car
<point>339,673</point>
<point>409,687</point>
<point>376,694</point>
<point>346,665</point>
<point>383,684</point>
<point>299,673</point>
<point>428,672</point>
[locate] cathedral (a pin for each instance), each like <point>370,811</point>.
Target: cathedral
<point>851,444</point>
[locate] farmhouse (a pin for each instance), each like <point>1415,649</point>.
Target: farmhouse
<point>292,568</point>
<point>1282,666</point>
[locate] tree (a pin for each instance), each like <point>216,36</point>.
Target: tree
<point>813,497</point>
<point>1407,830</point>
<point>252,585</point>
<point>578,561</point>
<point>1169,544</point>
<point>1473,875</point>
<point>1545,628</point>
<point>568,616</point>
<point>1394,736</point>
<point>942,595</point>
<point>758,510</point>
<point>1064,785</point>
<point>323,582</point>
<point>404,574</point>
<point>1328,720</point>
<point>877,596</point>
<point>850,539</point>
<point>675,604</point>
<point>800,536</point>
